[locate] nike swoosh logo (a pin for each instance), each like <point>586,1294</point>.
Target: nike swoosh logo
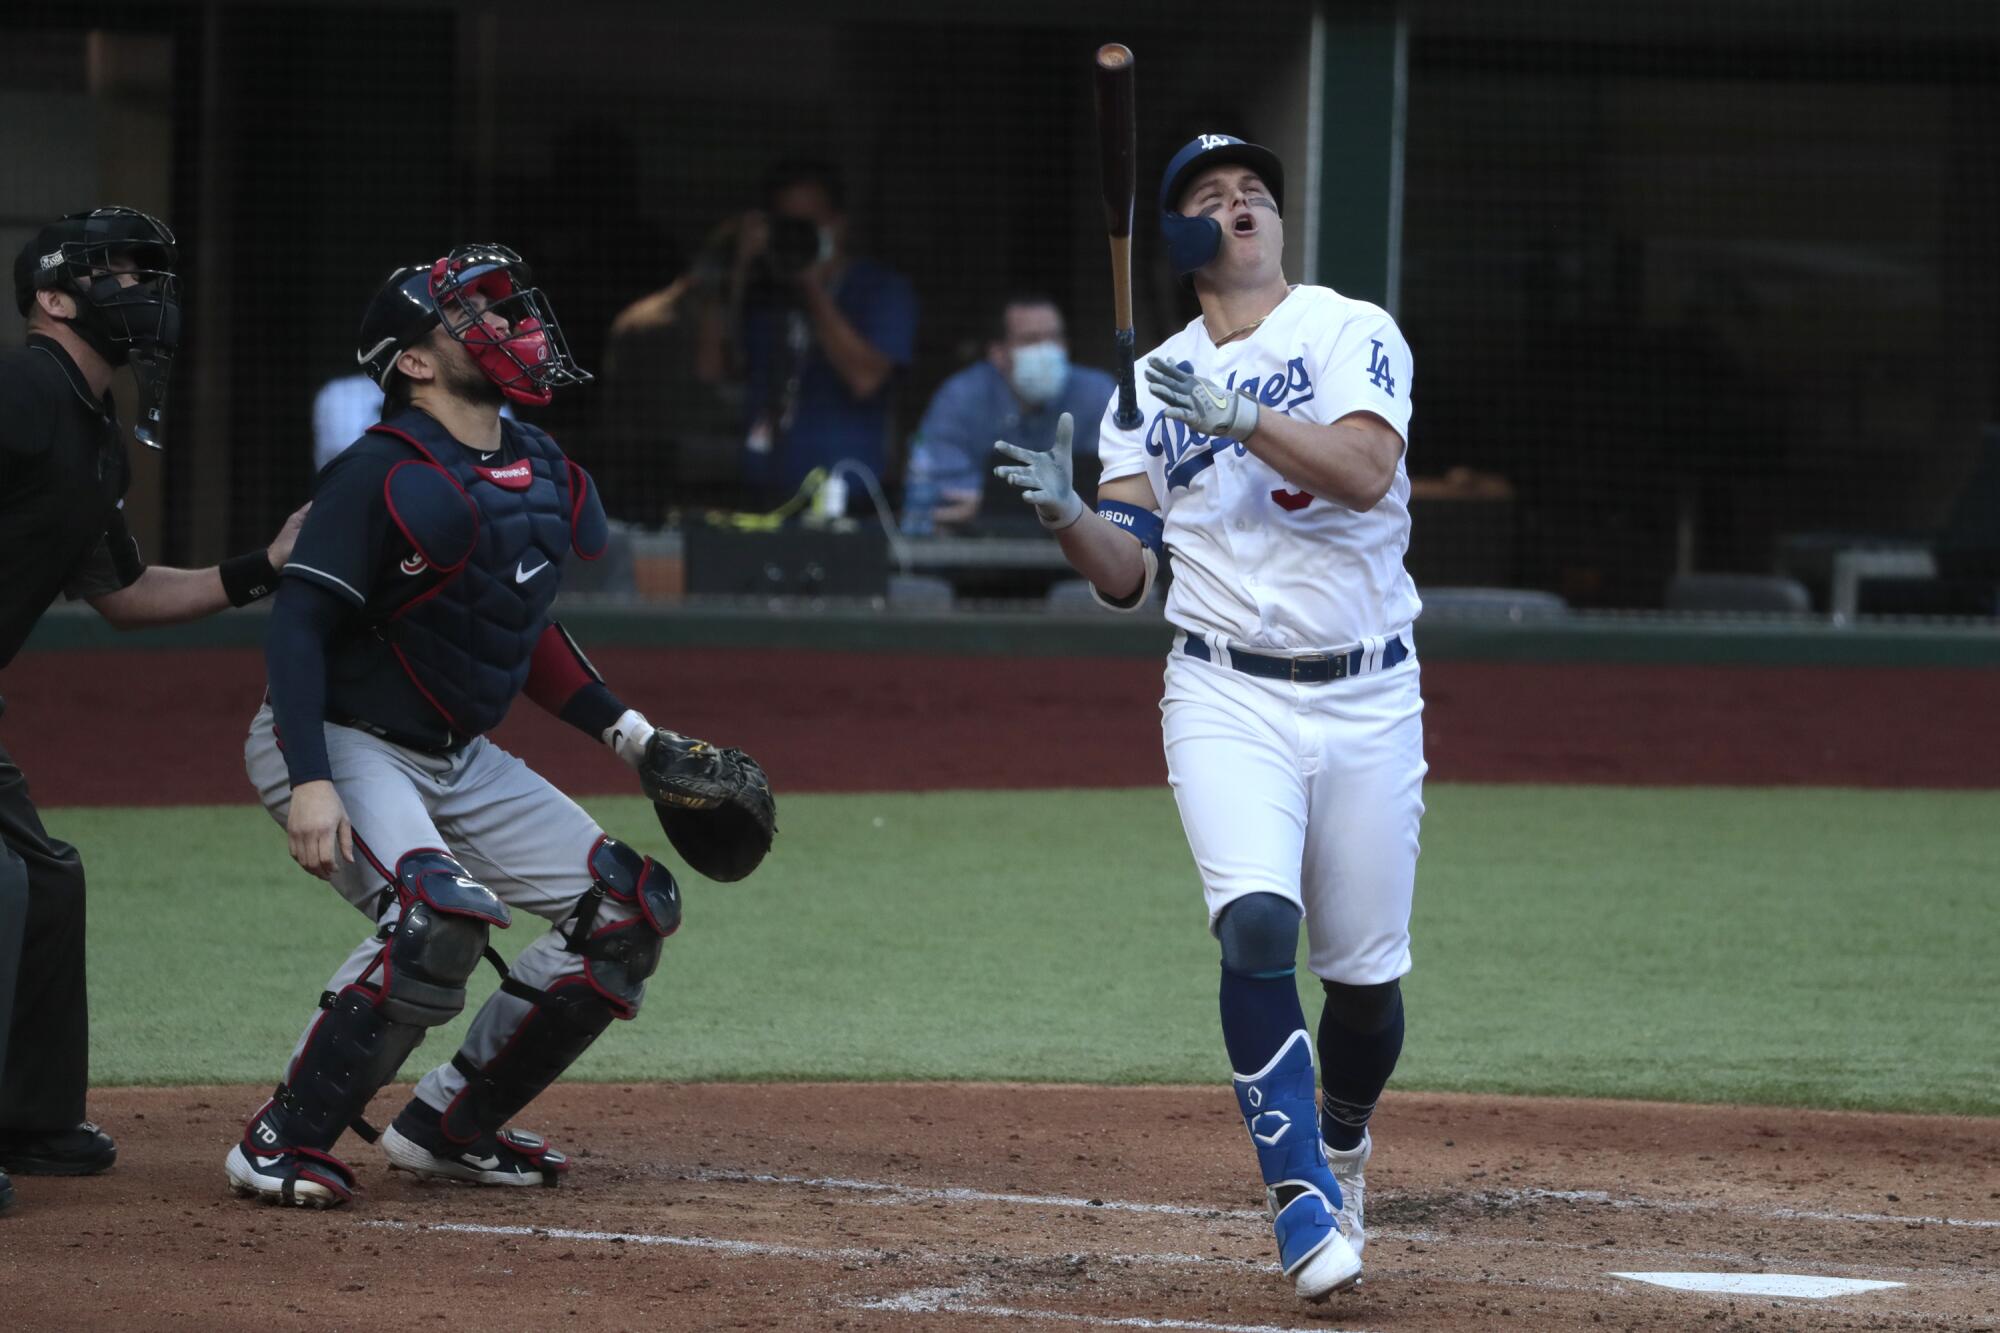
<point>266,1163</point>
<point>482,1163</point>
<point>522,573</point>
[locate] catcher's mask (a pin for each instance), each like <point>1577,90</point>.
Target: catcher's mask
<point>484,297</point>
<point>118,265</point>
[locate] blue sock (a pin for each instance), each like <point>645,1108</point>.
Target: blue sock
<point>1259,934</point>
<point>1360,1038</point>
<point>1258,1014</point>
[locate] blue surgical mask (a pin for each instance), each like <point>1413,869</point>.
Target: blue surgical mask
<point>1039,371</point>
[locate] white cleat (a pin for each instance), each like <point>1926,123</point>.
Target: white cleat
<point>1333,1267</point>
<point>1347,1170</point>
<point>319,1181</point>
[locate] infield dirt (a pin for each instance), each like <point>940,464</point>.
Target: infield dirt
<point>1004,1207</point>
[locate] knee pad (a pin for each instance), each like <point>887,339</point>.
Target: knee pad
<point>618,957</point>
<point>439,940</point>
<point>1259,934</point>
<point>1363,1009</point>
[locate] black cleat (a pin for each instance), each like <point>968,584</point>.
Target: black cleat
<point>416,1143</point>
<point>83,1151</point>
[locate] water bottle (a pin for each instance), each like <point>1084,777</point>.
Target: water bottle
<point>920,494</point>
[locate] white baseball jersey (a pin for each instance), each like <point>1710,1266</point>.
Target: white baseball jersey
<point>1255,561</point>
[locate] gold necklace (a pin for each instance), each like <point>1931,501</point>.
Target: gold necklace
<point>1234,334</point>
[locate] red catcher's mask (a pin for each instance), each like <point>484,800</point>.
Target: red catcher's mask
<point>486,299</point>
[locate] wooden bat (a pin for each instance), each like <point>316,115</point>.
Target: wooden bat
<point>1116,133</point>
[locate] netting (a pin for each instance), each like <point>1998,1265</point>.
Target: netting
<point>1705,291</point>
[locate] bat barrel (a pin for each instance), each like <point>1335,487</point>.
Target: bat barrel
<point>1117,131</point>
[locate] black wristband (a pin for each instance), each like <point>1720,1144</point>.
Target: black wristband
<point>247,577</point>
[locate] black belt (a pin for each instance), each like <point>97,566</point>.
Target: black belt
<point>449,747</point>
<point>1305,669</point>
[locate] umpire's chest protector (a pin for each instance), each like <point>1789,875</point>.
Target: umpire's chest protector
<point>489,545</point>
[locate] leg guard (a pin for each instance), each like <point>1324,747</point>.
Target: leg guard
<point>571,1013</point>
<point>1278,1110</point>
<point>370,1028</point>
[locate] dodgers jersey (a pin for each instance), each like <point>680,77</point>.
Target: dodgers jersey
<point>1256,562</point>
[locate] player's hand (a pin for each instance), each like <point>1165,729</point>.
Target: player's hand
<point>280,549</point>
<point>1201,403</point>
<point>317,826</point>
<point>1046,480</point>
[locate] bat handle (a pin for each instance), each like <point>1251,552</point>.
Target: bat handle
<point>1127,416</point>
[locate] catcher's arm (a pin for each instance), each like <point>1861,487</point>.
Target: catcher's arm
<point>563,681</point>
<point>714,804</point>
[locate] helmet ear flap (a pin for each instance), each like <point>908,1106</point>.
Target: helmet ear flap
<point>1191,242</point>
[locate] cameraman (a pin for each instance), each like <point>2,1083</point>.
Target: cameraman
<point>816,334</point>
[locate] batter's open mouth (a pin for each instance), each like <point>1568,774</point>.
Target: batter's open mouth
<point>1244,224</point>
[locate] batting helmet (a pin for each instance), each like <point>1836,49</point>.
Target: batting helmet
<point>483,296</point>
<point>1192,242</point>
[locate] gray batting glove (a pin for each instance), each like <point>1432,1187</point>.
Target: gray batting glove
<point>1047,480</point>
<point>1202,404</point>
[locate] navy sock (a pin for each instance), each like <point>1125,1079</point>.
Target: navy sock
<point>1355,1063</point>
<point>1258,1015</point>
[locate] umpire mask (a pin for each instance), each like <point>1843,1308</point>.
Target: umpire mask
<point>118,265</point>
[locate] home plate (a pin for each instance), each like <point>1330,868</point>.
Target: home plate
<point>1761,1284</point>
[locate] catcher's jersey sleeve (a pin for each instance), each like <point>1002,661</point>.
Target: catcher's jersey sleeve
<point>346,534</point>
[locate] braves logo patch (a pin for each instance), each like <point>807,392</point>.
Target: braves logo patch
<point>413,564</point>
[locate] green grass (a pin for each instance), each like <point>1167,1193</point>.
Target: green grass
<point>1828,948</point>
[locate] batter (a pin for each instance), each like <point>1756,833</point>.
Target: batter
<point>1269,470</point>
<point>413,613</point>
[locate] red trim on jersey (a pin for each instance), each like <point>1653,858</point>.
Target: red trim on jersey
<point>389,501</point>
<point>429,698</point>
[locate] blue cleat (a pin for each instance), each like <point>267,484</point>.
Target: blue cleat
<point>1280,1109</point>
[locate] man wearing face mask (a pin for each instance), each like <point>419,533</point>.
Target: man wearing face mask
<point>816,334</point>
<point>99,291</point>
<point>1017,393</point>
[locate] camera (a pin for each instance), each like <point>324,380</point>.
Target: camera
<point>793,248</point>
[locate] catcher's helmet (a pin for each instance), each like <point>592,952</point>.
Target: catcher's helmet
<point>484,296</point>
<point>1192,242</point>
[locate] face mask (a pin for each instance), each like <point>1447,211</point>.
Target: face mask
<point>1039,371</point>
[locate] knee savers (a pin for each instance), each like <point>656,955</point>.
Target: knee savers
<point>1259,933</point>
<point>438,941</point>
<point>619,956</point>
<point>1363,1009</point>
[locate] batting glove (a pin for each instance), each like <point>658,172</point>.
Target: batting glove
<point>1046,480</point>
<point>1202,404</point>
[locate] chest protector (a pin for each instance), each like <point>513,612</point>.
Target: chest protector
<point>486,549</point>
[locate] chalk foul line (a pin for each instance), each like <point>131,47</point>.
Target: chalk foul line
<point>1601,1198</point>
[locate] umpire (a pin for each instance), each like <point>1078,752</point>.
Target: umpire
<point>99,292</point>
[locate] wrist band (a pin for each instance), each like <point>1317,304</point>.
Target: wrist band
<point>247,577</point>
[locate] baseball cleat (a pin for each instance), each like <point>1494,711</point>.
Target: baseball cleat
<point>302,1177</point>
<point>1315,1255</point>
<point>6,1192</point>
<point>1347,1170</point>
<point>416,1143</point>
<point>83,1150</point>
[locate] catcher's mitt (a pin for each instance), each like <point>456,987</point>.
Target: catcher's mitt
<point>714,804</point>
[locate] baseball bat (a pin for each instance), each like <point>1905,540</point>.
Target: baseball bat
<point>1116,131</point>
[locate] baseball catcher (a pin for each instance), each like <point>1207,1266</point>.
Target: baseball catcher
<point>413,613</point>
